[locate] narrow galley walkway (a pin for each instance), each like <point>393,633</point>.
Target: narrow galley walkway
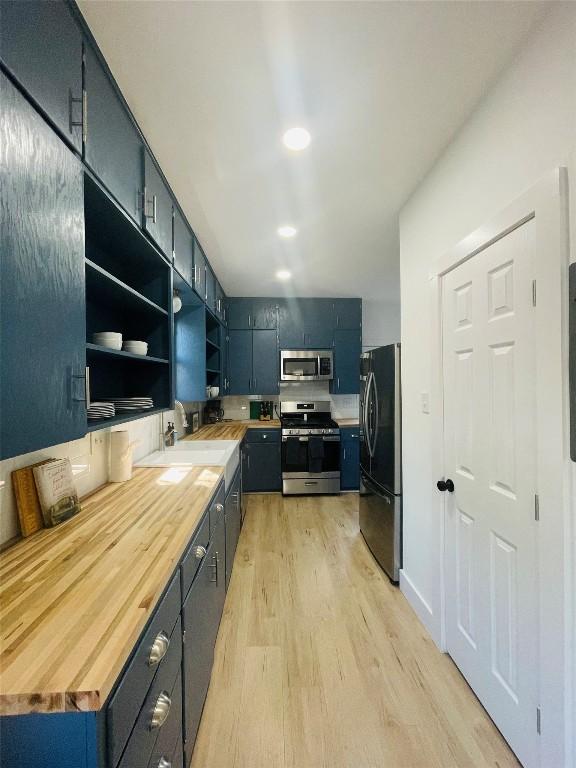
<point>321,663</point>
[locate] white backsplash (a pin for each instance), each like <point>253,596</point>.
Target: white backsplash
<point>342,406</point>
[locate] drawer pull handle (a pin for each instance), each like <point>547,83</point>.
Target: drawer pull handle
<point>199,552</point>
<point>158,650</point>
<point>164,763</point>
<point>161,711</point>
<point>219,508</point>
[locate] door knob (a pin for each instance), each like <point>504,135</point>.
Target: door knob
<point>445,485</point>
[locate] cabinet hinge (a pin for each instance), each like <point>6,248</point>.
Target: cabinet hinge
<point>533,293</point>
<point>536,507</point>
<point>184,637</point>
<point>538,721</point>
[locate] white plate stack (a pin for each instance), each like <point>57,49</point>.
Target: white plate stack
<point>135,347</point>
<point>109,339</point>
<point>126,404</point>
<point>101,411</point>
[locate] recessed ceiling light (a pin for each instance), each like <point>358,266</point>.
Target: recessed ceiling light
<point>296,139</point>
<point>283,274</point>
<point>287,231</point>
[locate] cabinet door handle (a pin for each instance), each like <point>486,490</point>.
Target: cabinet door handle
<point>199,552</point>
<point>86,377</point>
<point>159,649</point>
<point>164,763</point>
<point>214,566</point>
<point>154,210</point>
<point>338,382</point>
<point>83,122</point>
<point>161,710</point>
<point>344,455</point>
<point>249,321</point>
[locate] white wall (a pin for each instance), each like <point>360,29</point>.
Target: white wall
<point>523,128</point>
<point>380,323</point>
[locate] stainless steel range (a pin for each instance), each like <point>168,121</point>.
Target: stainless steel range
<point>310,448</point>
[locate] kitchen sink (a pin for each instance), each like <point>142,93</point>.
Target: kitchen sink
<point>216,453</point>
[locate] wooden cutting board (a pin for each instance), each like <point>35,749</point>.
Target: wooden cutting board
<point>27,502</point>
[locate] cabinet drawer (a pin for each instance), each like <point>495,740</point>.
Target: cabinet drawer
<point>163,693</point>
<point>193,559</point>
<point>169,747</point>
<point>263,435</point>
<point>217,508</point>
<point>125,703</point>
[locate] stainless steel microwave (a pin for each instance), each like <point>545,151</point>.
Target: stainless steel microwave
<point>306,365</point>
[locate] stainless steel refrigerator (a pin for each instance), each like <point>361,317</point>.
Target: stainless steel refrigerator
<point>381,456</point>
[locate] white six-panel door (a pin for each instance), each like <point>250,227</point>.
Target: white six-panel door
<point>490,454</point>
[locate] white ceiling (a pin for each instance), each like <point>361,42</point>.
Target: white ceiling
<point>382,87</point>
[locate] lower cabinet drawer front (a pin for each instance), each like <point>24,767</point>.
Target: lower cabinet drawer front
<point>217,507</point>
<point>126,702</point>
<point>193,558</point>
<point>158,704</point>
<point>259,435</point>
<point>168,749</point>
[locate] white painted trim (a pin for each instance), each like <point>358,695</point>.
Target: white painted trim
<point>546,203</point>
<point>419,605</point>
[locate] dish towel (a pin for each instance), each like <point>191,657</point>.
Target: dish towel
<point>315,454</point>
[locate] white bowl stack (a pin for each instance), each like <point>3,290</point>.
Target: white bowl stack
<point>136,347</point>
<point>109,339</point>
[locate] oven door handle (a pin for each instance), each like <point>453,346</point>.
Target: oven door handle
<point>331,439</point>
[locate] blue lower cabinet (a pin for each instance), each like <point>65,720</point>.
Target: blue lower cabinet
<point>41,282</point>
<point>347,351</point>
<point>233,522</point>
<point>261,461</point>
<point>349,458</point>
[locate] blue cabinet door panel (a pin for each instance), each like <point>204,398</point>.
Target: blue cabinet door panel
<point>240,314</point>
<point>41,44</point>
<point>264,314</point>
<point>265,363</point>
<point>42,286</point>
<point>157,207</point>
<point>210,289</point>
<point>114,149</point>
<point>199,270</point>
<point>183,248</point>
<point>347,350</point>
<point>240,362</point>
<point>261,467</point>
<point>348,314</point>
<point>350,459</point>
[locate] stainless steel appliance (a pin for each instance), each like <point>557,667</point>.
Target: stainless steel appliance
<point>306,365</point>
<point>380,456</point>
<point>310,448</point>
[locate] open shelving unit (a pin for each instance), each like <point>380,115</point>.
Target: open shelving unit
<point>129,291</point>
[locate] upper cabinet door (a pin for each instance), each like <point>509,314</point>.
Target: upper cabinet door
<point>265,314</point>
<point>41,44</point>
<point>240,362</point>
<point>220,302</point>
<point>347,350</point>
<point>210,288</point>
<point>183,248</point>
<point>348,314</point>
<point>42,294</point>
<point>265,363</point>
<point>240,314</point>
<point>199,270</point>
<point>157,207</point>
<point>113,147</point>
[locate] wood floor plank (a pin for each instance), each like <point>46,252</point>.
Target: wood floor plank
<point>321,662</point>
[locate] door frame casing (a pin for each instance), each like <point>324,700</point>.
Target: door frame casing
<point>547,204</point>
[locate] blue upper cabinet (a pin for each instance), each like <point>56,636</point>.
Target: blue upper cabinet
<point>348,314</point>
<point>41,44</point>
<point>114,149</point>
<point>305,323</point>
<point>347,350</point>
<point>264,363</point>
<point>258,314</point>
<point>264,314</point>
<point>240,362</point>
<point>42,287</point>
<point>210,289</point>
<point>157,207</point>
<point>220,302</point>
<point>183,248</point>
<point>199,270</point>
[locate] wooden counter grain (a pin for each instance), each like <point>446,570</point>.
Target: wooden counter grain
<point>235,430</point>
<point>75,599</point>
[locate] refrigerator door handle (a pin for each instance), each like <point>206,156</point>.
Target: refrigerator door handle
<point>371,390</point>
<point>376,415</point>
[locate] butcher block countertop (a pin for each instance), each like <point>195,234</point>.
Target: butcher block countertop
<point>235,430</point>
<point>75,599</point>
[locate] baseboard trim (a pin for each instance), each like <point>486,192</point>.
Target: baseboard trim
<point>420,607</point>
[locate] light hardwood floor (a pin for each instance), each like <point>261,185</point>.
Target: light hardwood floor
<point>321,663</point>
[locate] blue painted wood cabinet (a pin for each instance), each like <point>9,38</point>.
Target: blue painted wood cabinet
<point>253,362</point>
<point>349,458</point>
<point>181,634</point>
<point>347,350</point>
<point>252,313</point>
<point>261,461</point>
<point>42,291</point>
<point>50,72</point>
